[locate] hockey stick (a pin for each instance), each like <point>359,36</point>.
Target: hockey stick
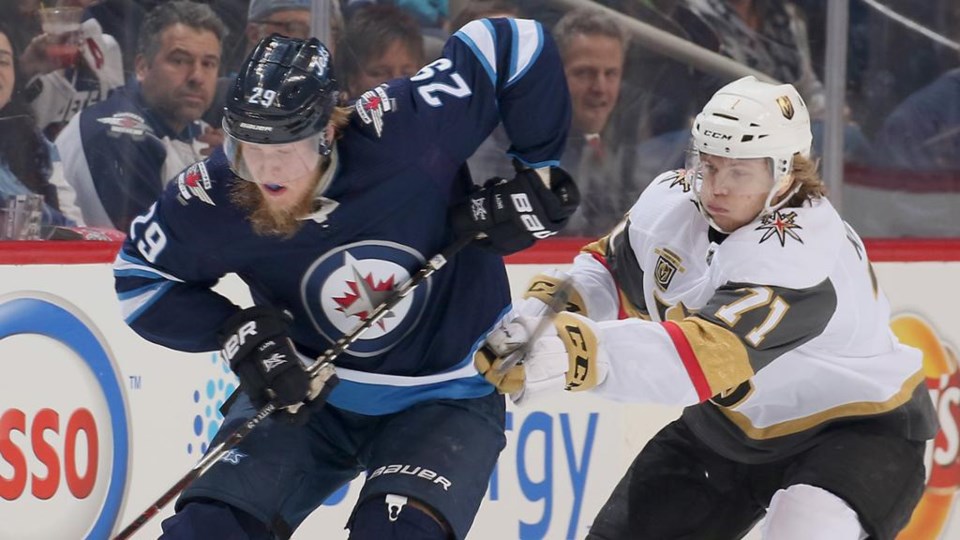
<point>323,364</point>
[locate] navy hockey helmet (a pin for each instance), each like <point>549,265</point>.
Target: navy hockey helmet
<point>285,92</point>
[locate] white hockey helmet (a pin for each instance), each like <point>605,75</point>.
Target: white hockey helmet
<point>750,119</point>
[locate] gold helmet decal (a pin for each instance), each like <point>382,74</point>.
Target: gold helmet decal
<point>786,107</point>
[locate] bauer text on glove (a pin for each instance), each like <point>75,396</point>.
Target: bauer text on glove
<point>512,214</point>
<point>256,345</point>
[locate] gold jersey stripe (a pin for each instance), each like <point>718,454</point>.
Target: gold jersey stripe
<point>599,250</point>
<point>720,353</point>
<point>860,408</point>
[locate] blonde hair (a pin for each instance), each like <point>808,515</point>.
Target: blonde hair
<point>341,117</point>
<point>804,173</point>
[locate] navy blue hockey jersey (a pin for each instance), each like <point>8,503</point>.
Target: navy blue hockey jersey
<point>396,176</point>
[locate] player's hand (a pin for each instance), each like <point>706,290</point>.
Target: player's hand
<point>34,60</point>
<point>256,345</point>
<point>566,355</point>
<point>499,359</point>
<point>512,214</point>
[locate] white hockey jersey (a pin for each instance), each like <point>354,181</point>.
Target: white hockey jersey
<point>769,334</point>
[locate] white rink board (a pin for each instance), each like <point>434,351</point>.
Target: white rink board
<point>561,461</point>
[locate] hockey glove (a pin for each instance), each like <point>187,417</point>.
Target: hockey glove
<point>513,214</point>
<point>567,355</point>
<point>255,344</point>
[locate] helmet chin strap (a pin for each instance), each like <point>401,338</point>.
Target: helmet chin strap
<point>326,146</point>
<point>328,167</point>
<point>769,209</point>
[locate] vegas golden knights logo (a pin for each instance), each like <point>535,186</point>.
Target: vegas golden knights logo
<point>668,264</point>
<point>786,107</point>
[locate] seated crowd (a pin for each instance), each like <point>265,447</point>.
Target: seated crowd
<point>102,102</point>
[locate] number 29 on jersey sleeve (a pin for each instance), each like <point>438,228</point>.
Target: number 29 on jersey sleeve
<point>457,87</point>
<point>153,240</point>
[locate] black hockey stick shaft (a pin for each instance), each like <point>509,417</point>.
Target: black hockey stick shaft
<point>325,360</point>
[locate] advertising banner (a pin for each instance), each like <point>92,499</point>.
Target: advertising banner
<point>96,422</point>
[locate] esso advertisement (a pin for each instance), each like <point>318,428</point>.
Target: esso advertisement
<point>932,514</point>
<point>63,423</point>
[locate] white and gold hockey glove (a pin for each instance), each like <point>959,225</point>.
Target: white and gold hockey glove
<point>565,355</point>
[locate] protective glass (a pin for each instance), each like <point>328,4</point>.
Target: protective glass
<point>273,163</point>
<point>729,176</point>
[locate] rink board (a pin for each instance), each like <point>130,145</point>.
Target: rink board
<point>96,422</point>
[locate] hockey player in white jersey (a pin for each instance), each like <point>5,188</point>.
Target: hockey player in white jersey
<point>733,288</point>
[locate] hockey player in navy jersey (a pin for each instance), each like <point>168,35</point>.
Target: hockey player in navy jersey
<point>733,288</point>
<point>323,210</point>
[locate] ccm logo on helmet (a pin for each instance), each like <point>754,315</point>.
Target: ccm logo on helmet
<point>717,135</point>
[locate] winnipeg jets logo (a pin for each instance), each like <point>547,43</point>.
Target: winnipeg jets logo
<point>372,105</point>
<point>194,182</point>
<point>364,295</point>
<point>781,224</point>
<point>125,123</point>
<point>276,359</point>
<point>232,457</point>
<point>345,287</point>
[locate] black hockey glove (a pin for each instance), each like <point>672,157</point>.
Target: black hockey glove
<point>256,345</point>
<point>513,214</point>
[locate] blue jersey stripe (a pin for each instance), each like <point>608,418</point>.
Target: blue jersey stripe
<point>156,295</point>
<point>378,399</point>
<point>480,37</point>
<point>527,45</point>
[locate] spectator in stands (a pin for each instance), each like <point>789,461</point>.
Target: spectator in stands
<point>21,21</point>
<point>28,162</point>
<point>381,43</point>
<point>119,154</point>
<point>290,18</point>
<point>769,36</point>
<point>923,132</point>
<point>593,47</point>
<point>120,19</point>
<point>431,15</point>
<point>68,71</point>
<point>480,9</point>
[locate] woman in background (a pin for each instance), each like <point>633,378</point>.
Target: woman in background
<point>28,161</point>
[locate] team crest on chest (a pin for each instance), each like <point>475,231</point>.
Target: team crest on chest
<point>781,225</point>
<point>342,288</point>
<point>667,266</point>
